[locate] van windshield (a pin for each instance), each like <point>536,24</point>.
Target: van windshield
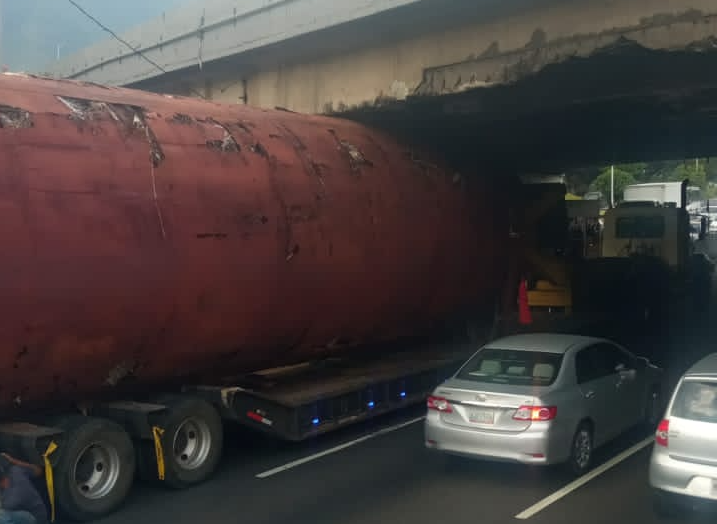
<point>640,227</point>
<point>696,400</point>
<point>512,367</point>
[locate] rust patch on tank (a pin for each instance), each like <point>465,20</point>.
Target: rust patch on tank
<point>260,150</point>
<point>245,126</point>
<point>294,251</point>
<point>19,356</point>
<point>227,144</point>
<point>121,372</point>
<point>254,220</point>
<point>156,154</point>
<point>310,165</point>
<point>183,119</point>
<point>156,157</point>
<point>212,235</point>
<point>14,118</point>
<point>355,156</point>
<point>85,109</point>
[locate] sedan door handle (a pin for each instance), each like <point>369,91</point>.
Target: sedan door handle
<point>589,394</point>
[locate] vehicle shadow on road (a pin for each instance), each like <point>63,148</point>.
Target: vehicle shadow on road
<point>517,476</point>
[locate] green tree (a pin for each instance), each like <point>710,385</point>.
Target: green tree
<point>623,178</point>
<point>638,171</point>
<point>701,173</point>
<point>694,172</point>
<point>711,169</point>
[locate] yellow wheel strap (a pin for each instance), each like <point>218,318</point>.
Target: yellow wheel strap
<point>157,433</point>
<point>49,479</point>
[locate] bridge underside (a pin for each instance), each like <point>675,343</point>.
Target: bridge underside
<point>623,103</point>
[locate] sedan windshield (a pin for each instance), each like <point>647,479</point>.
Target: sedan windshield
<point>512,367</point>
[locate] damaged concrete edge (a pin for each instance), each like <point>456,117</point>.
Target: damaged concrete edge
<point>692,31</point>
<point>381,101</point>
<point>689,31</point>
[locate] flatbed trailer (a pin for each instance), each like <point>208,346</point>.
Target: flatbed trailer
<point>292,403</point>
<point>307,400</point>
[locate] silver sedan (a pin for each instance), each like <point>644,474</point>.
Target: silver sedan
<point>543,399</point>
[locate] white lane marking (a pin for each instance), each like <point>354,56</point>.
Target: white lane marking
<point>335,449</point>
<point>575,484</point>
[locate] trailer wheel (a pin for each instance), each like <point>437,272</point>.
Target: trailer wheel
<point>95,468</point>
<point>192,442</point>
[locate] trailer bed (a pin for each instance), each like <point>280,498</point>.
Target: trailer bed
<point>302,401</point>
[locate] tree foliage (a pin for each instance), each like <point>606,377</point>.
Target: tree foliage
<point>622,179</point>
<point>700,172</point>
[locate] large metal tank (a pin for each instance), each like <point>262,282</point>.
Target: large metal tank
<point>147,238</point>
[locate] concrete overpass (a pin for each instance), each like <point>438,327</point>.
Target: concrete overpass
<point>564,82</point>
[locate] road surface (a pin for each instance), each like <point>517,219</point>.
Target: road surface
<point>380,473</point>
<point>392,478</point>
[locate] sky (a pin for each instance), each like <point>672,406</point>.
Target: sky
<point>31,31</point>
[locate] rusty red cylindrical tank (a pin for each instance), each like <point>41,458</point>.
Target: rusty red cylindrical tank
<point>158,237</point>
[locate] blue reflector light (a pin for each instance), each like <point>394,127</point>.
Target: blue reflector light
<point>371,404</point>
<point>315,421</point>
<point>403,394</point>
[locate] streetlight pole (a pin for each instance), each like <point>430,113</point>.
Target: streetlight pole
<point>612,186</point>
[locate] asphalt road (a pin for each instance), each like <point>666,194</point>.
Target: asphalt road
<point>392,478</point>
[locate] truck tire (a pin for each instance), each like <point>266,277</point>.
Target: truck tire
<point>95,468</point>
<point>192,442</point>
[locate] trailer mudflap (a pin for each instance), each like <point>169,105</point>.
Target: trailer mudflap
<point>136,417</point>
<point>29,441</point>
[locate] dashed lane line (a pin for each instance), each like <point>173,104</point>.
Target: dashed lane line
<point>577,483</point>
<point>335,449</point>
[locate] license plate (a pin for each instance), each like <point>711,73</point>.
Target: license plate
<point>481,416</point>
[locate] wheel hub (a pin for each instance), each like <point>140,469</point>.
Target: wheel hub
<point>582,449</point>
<point>192,443</point>
<point>96,470</point>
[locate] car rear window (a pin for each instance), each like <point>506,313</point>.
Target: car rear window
<point>512,367</point>
<point>696,400</point>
